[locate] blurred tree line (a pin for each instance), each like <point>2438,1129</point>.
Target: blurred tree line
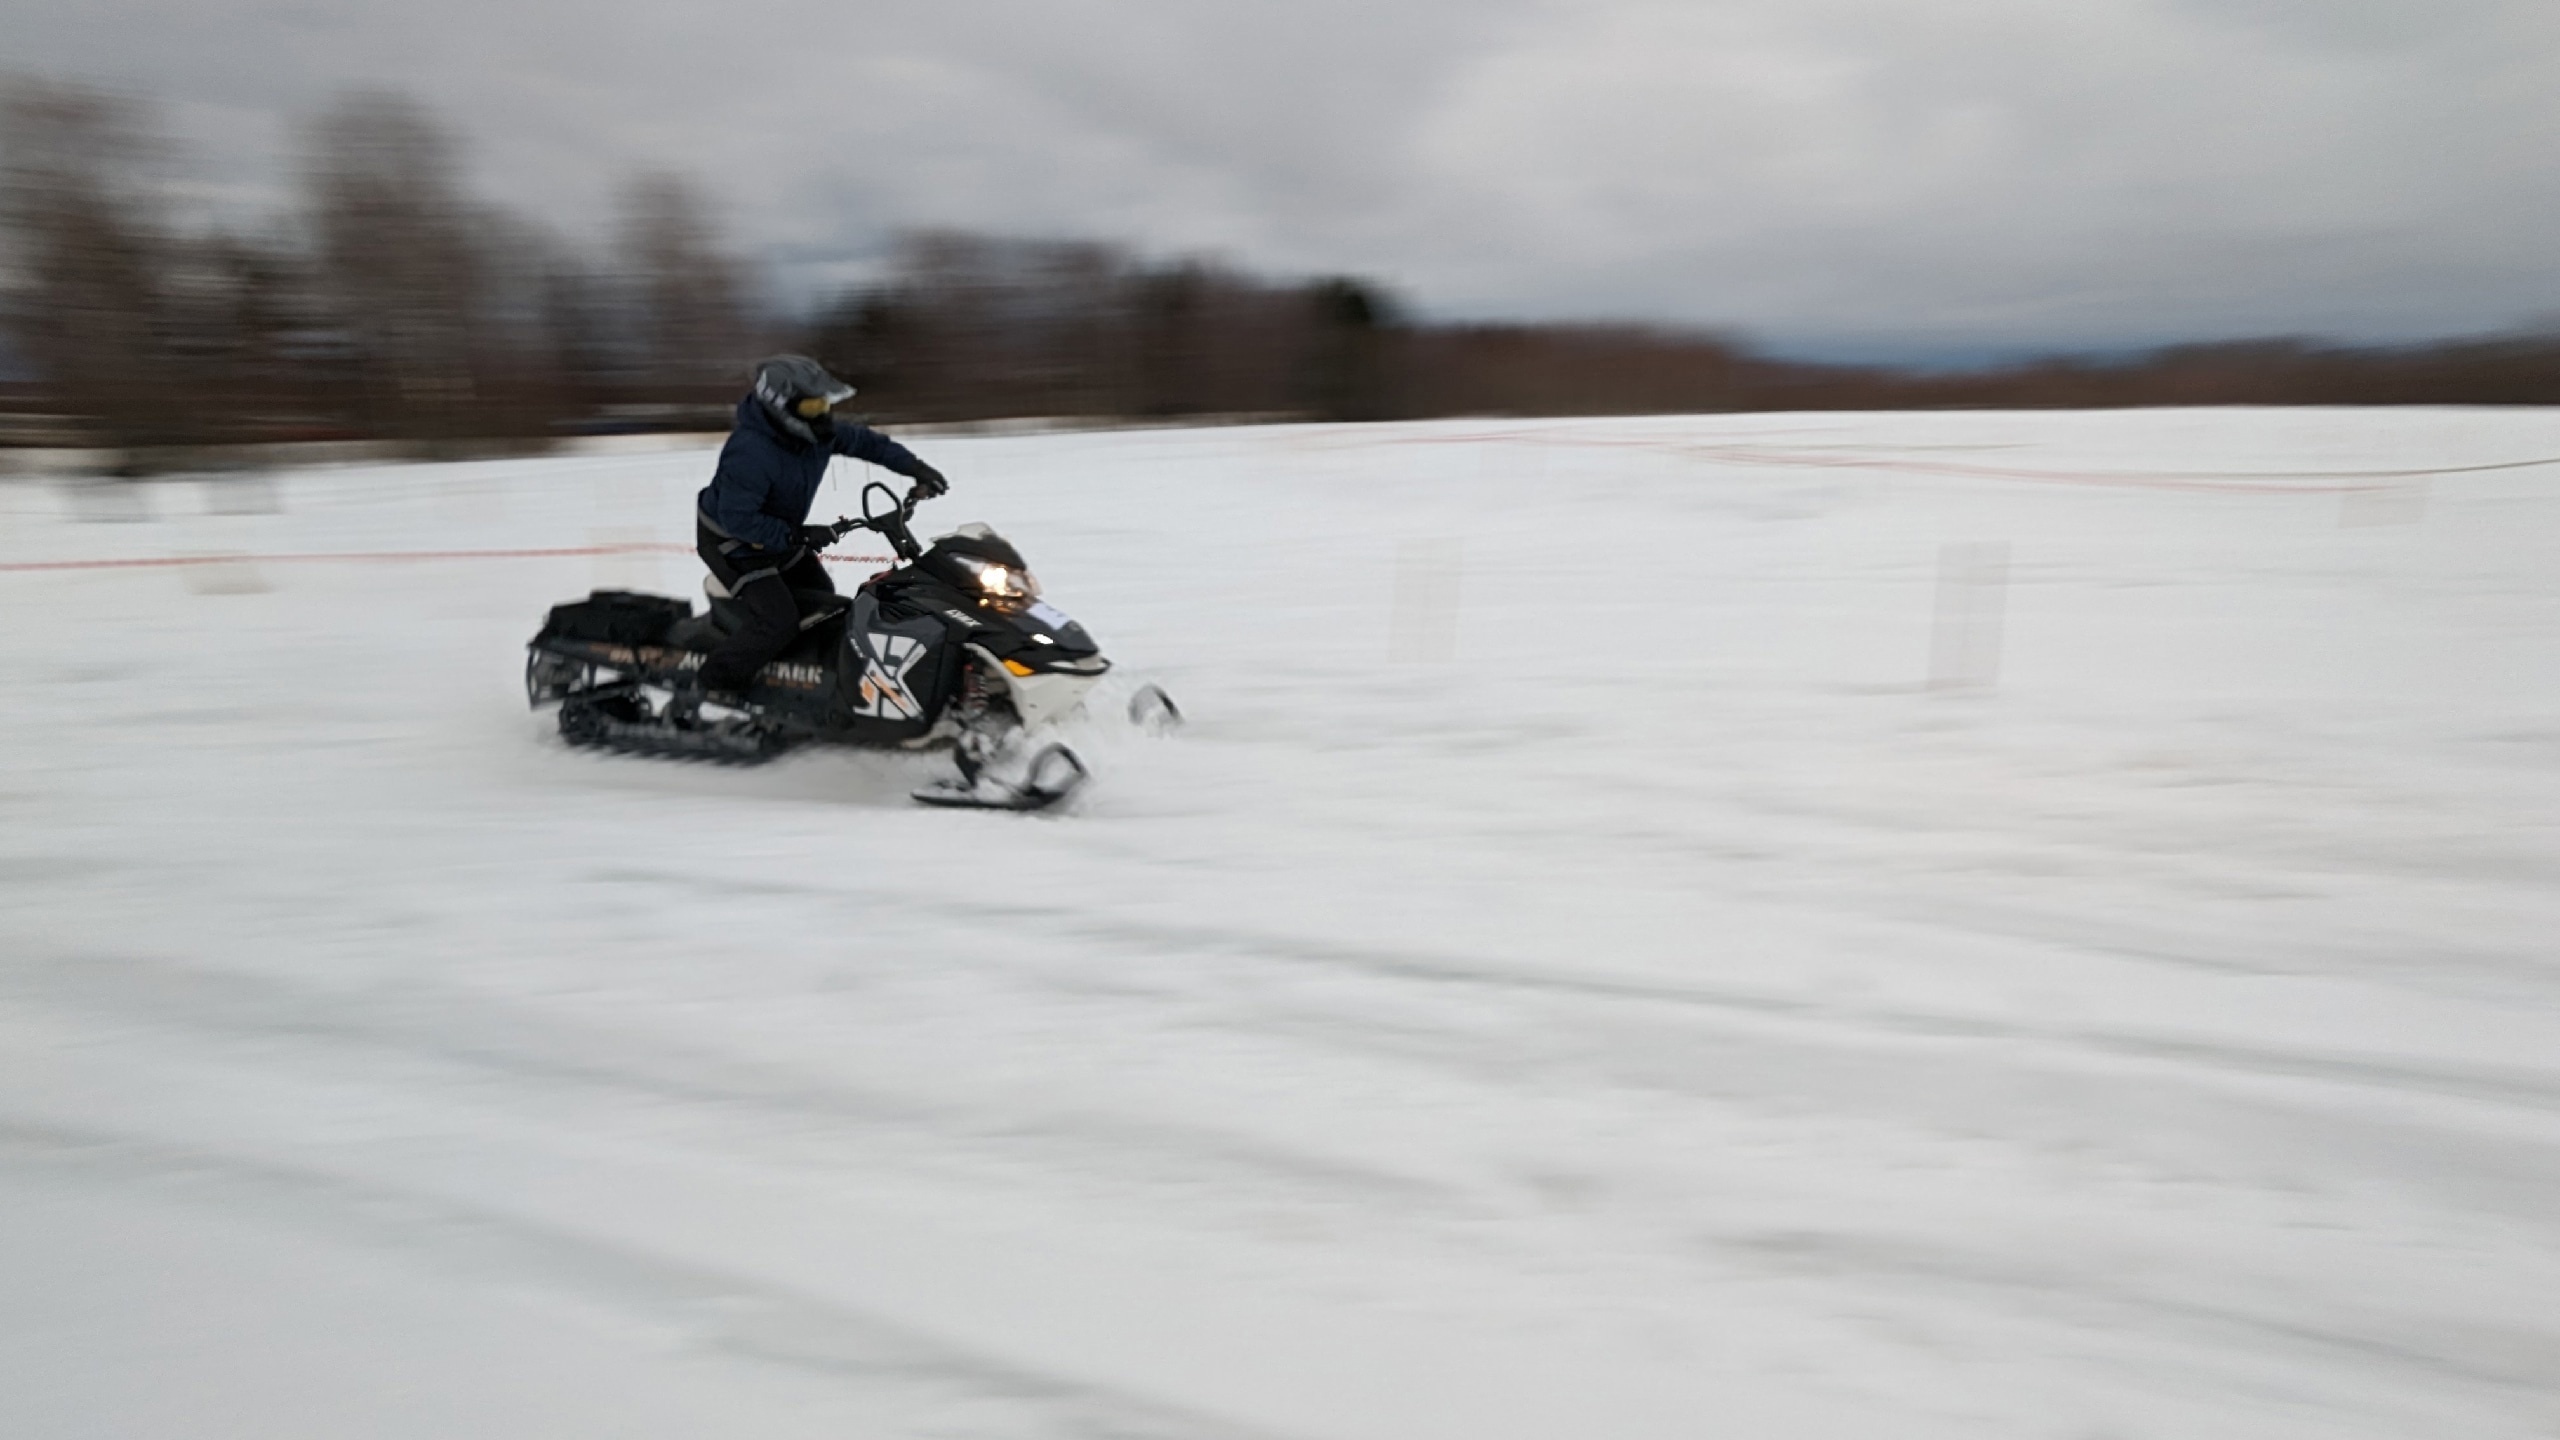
<point>389,303</point>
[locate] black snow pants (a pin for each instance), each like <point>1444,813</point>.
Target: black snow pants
<point>764,582</point>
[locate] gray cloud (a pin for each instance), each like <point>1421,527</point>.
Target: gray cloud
<point>1822,172</point>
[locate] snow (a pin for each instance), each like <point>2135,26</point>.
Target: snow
<point>1580,972</point>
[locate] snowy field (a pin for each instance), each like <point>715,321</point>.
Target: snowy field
<point>1967,925</point>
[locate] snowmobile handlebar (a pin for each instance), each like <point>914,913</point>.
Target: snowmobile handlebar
<point>890,524</point>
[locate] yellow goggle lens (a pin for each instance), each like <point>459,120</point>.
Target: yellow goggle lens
<point>809,407</point>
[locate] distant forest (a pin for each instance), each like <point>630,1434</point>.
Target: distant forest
<point>390,304</point>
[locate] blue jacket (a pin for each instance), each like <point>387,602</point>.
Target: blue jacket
<point>767,476</point>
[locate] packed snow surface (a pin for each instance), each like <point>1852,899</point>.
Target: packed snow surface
<point>1967,925</point>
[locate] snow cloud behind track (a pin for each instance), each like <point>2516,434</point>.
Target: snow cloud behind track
<point>1833,175</point>
<point>1645,1008</point>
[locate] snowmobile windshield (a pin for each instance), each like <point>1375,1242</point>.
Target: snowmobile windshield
<point>1004,585</point>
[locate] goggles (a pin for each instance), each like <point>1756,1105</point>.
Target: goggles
<point>810,407</point>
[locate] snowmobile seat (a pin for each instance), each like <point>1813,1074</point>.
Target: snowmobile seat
<point>817,607</point>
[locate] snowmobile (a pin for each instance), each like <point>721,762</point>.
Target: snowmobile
<point>952,647</point>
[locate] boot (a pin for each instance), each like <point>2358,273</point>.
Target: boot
<point>687,695</point>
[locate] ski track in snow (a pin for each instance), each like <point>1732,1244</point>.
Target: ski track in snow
<point>1659,1012</point>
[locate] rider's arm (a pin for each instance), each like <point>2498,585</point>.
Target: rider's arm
<point>869,445</point>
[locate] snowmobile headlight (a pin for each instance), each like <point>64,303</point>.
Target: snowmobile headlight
<point>1000,582</point>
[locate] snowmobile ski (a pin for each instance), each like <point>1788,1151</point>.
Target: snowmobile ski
<point>1152,710</point>
<point>1053,774</point>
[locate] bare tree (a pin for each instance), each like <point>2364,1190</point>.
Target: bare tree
<point>400,258</point>
<point>576,325</point>
<point>690,329</point>
<point>87,245</point>
<point>233,310</point>
<point>536,347</point>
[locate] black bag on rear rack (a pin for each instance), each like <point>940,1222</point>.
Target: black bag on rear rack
<point>618,617</point>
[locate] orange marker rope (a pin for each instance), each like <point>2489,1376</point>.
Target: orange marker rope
<point>377,557</point>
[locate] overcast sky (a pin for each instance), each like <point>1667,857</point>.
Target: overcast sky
<point>1841,176</point>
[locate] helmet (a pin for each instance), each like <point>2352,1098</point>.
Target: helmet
<point>799,393</point>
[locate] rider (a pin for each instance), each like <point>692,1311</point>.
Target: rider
<point>752,519</point>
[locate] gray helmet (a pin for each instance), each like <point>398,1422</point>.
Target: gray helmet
<point>799,393</point>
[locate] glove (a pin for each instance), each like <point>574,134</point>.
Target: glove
<point>929,481</point>
<point>815,537</point>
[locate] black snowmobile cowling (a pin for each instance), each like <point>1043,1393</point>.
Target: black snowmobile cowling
<point>952,646</point>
